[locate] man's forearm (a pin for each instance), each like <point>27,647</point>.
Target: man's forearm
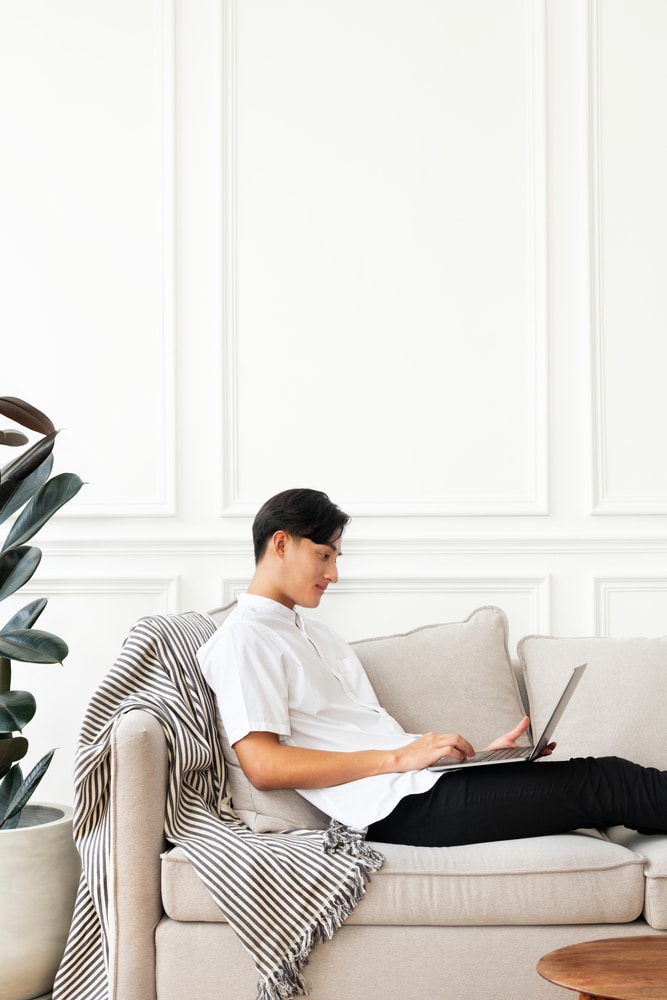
<point>268,764</point>
<point>273,765</point>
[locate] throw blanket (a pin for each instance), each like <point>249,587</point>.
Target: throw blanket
<point>282,893</point>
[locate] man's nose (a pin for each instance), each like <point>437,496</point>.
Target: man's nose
<point>332,573</point>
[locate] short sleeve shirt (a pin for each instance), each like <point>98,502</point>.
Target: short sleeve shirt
<point>272,671</point>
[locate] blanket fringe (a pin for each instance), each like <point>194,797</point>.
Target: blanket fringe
<point>339,839</point>
<point>287,981</point>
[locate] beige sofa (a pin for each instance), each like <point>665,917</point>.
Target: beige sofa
<point>435,923</point>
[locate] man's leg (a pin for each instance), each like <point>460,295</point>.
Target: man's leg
<point>508,801</point>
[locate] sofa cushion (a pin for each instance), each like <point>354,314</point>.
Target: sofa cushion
<point>567,879</point>
<point>454,677</point>
<point>447,678</point>
<point>267,812</point>
<point>618,707</point>
<point>654,851</point>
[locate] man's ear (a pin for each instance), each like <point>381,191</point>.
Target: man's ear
<point>279,542</point>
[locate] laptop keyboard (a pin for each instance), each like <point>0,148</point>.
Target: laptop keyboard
<point>506,754</point>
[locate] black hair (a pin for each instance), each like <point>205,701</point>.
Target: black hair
<point>301,513</point>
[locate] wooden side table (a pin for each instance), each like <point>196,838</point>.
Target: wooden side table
<point>630,968</point>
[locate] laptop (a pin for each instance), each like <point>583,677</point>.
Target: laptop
<point>510,754</point>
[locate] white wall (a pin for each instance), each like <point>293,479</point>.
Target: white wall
<point>411,254</point>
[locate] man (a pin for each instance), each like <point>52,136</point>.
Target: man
<point>300,713</point>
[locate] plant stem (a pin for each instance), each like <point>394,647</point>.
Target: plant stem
<point>5,674</point>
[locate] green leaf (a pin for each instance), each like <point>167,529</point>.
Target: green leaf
<point>12,750</point>
<point>7,490</point>
<point>19,493</point>
<point>27,787</point>
<point>25,464</point>
<point>17,567</point>
<point>47,500</point>
<point>27,616</point>
<point>30,645</point>
<point>25,414</point>
<point>16,710</point>
<point>5,674</point>
<point>9,786</point>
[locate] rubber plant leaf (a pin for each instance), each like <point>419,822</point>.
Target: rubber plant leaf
<point>47,500</point>
<point>16,710</point>
<point>17,567</point>
<point>28,786</point>
<point>19,493</point>
<point>26,617</point>
<point>10,751</point>
<point>13,439</point>
<point>26,415</point>
<point>30,460</point>
<point>9,786</point>
<point>30,645</point>
<point>7,491</point>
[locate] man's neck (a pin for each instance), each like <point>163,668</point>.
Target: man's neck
<point>261,586</point>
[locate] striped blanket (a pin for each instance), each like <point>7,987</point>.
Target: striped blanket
<point>282,893</point>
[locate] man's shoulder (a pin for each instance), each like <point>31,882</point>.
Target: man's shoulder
<point>237,644</point>
<point>241,629</point>
<point>241,622</point>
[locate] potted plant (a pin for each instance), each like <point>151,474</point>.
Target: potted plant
<point>38,862</point>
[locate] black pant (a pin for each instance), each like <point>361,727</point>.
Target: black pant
<point>508,801</point>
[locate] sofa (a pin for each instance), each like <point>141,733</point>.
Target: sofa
<point>434,923</point>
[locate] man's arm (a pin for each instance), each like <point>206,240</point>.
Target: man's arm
<point>268,764</point>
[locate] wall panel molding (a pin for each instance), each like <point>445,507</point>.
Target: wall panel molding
<point>166,589</point>
<point>535,500</point>
<point>163,500</point>
<point>605,499</point>
<point>596,262</point>
<point>230,464</point>
<point>536,86</point>
<point>215,547</point>
<point>536,591</point>
<point>608,590</point>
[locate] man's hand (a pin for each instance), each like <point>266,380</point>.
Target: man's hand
<point>510,739</point>
<point>431,747</point>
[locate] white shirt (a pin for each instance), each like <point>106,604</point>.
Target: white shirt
<point>272,672</point>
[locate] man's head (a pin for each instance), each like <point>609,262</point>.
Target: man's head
<point>300,513</point>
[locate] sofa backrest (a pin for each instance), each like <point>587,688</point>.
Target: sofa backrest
<point>619,707</point>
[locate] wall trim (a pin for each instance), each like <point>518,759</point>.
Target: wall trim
<point>167,588</point>
<point>230,464</point>
<point>536,502</point>
<point>537,588</point>
<point>164,502</point>
<point>605,502</point>
<point>606,586</point>
<point>214,548</point>
<point>598,403</point>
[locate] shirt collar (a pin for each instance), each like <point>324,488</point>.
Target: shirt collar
<point>267,606</point>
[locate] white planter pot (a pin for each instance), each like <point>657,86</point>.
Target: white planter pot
<point>39,874</point>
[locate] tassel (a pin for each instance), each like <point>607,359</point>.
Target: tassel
<point>339,839</point>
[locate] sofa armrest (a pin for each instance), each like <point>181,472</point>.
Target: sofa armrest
<point>137,808</point>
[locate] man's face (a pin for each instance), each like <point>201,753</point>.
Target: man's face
<point>308,569</point>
